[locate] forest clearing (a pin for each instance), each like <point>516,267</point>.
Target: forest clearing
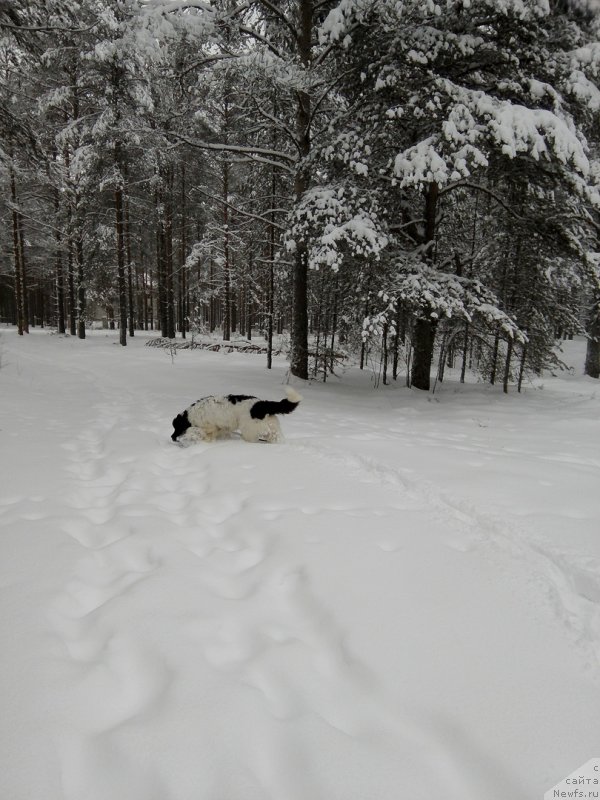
<point>389,210</point>
<point>401,599</point>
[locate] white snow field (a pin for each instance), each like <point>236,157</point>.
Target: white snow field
<point>402,600</point>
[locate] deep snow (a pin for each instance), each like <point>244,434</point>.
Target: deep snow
<point>400,601</point>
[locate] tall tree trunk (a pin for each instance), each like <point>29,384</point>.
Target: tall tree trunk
<point>334,324</point>
<point>141,284</point>
<point>495,351</point>
<point>212,311</point>
<point>299,354</point>
<point>130,293</point>
<point>60,289</point>
<point>226,264</point>
<point>151,295</point>
<point>168,241</point>
<point>24,281</point>
<point>384,354</point>
<point>299,350</point>
<point>522,367</point>
<point>465,353</point>
<point>509,351</point>
<point>442,358</point>
<point>363,346</point>
<point>59,278</point>
<point>120,233</point>
<point>81,293</point>
<point>271,296</point>
<point>399,336</point>
<point>246,301</point>
<point>183,282</point>
<point>21,286</point>
<point>71,277</point>
<point>422,355</point>
<point>271,276</point>
<point>70,252</point>
<point>161,268</point>
<point>425,326</point>
<point>17,256</point>
<point>77,294</point>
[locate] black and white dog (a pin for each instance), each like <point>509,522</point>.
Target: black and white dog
<point>213,417</point>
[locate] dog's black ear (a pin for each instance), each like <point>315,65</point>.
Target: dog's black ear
<point>181,423</point>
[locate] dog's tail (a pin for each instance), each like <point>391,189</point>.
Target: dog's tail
<point>263,408</point>
<point>293,396</point>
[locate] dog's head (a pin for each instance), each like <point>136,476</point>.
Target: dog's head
<point>181,423</point>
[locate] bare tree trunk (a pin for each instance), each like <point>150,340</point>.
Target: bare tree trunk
<point>212,311</point>
<point>161,267</point>
<point>271,299</point>
<point>120,231</point>
<point>522,367</point>
<point>509,350</point>
<point>21,288</point>
<point>247,304</point>
<point>442,358</point>
<point>463,368</point>
<point>71,272</point>
<point>77,293</point>
<point>226,264</point>
<point>130,292</point>
<point>59,279</point>
<point>334,323</point>
<point>168,257</point>
<point>495,358</point>
<point>399,336</point>
<point>425,326</point>
<point>316,325</point>
<point>234,310</point>
<point>183,282</point>
<point>60,288</point>
<point>384,342</point>
<point>363,346</point>
<point>422,355</point>
<point>325,317</point>
<point>81,294</point>
<point>140,283</point>
<point>23,269</point>
<point>299,354</point>
<point>151,300</point>
<point>17,256</point>
<point>271,278</point>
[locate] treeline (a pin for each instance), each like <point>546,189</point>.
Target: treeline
<point>395,181</point>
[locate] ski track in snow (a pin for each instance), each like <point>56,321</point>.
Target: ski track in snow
<point>571,580</point>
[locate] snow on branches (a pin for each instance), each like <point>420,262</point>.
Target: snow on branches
<point>336,223</point>
<point>476,125</point>
<point>427,292</point>
<point>340,24</point>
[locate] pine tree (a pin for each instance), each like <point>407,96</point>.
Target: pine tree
<point>434,114</point>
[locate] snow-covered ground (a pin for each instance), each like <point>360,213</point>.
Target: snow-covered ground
<point>400,601</point>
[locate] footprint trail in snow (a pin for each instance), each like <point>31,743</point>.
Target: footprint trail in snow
<point>332,618</point>
<point>217,531</point>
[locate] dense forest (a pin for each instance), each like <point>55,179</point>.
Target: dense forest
<point>412,184</point>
